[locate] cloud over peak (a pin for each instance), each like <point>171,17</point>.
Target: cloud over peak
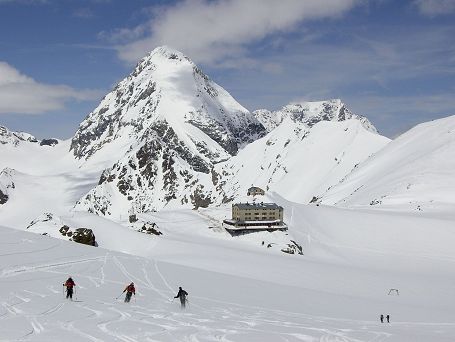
<point>212,30</point>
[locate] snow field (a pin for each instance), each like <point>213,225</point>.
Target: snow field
<point>222,307</point>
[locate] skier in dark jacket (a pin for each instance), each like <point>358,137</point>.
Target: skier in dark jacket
<point>382,318</point>
<point>130,290</point>
<point>182,295</point>
<point>388,318</point>
<point>70,284</point>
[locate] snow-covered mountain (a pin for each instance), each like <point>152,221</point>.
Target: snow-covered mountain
<point>167,134</point>
<point>168,100</point>
<point>310,113</point>
<point>413,172</point>
<point>161,128</point>
<point>14,138</point>
<point>297,161</point>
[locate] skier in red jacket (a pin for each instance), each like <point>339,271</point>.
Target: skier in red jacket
<point>130,290</point>
<point>70,284</point>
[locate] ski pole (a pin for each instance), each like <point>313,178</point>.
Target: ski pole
<point>63,290</point>
<point>119,296</point>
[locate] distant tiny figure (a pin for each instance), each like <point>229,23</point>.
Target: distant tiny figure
<point>130,290</point>
<point>382,318</point>
<point>70,284</point>
<point>182,295</point>
<point>388,318</point>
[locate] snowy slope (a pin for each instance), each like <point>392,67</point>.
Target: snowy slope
<point>413,172</point>
<point>299,162</point>
<point>238,292</point>
<point>45,178</point>
<point>310,113</point>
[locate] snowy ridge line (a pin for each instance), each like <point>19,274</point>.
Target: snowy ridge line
<point>13,271</point>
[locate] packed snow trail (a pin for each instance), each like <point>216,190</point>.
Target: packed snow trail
<point>33,308</point>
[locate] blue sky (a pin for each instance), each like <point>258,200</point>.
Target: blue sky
<point>392,61</point>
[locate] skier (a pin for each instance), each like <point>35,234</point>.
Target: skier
<point>382,318</point>
<point>69,287</point>
<point>130,290</point>
<point>182,295</point>
<point>388,318</point>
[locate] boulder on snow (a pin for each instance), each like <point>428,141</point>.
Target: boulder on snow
<point>48,142</point>
<point>150,228</point>
<point>293,248</point>
<point>84,236</point>
<point>65,231</point>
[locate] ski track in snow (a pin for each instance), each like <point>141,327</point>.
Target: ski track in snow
<point>33,309</point>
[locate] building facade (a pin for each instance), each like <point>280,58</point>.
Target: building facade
<point>257,212</point>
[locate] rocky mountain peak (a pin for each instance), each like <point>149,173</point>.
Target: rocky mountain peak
<point>161,130</point>
<point>310,113</point>
<point>14,138</point>
<point>167,88</point>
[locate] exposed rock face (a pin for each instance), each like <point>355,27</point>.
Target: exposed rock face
<point>3,197</point>
<point>310,113</point>
<point>6,184</point>
<point>48,142</point>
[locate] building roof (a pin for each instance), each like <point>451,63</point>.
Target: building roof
<point>255,188</point>
<point>257,206</point>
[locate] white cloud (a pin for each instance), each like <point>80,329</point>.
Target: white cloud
<point>435,7</point>
<point>212,30</point>
<point>22,94</point>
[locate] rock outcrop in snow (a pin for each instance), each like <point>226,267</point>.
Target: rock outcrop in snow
<point>310,113</point>
<point>52,225</point>
<point>6,184</point>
